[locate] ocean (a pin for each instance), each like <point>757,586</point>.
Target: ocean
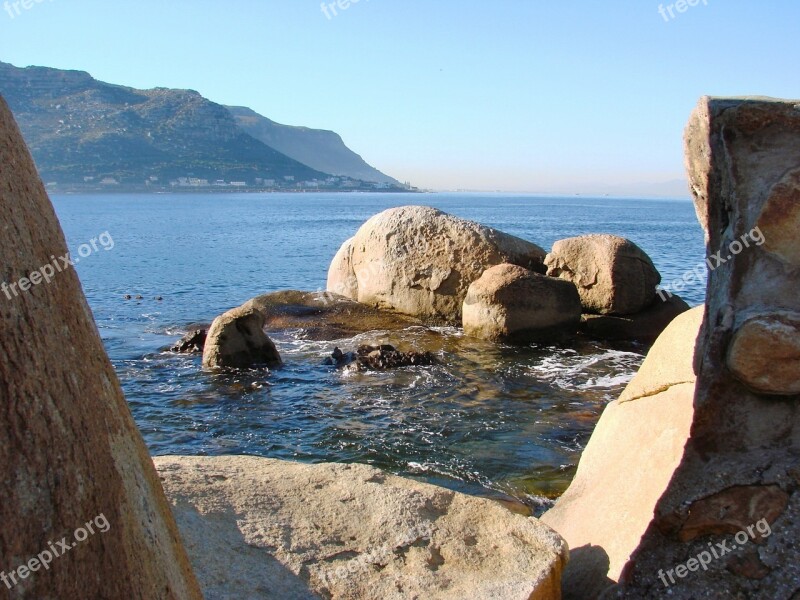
<point>490,420</point>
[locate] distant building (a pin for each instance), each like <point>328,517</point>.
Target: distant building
<point>108,181</point>
<point>238,184</point>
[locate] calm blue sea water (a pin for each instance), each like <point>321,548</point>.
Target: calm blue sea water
<point>489,418</point>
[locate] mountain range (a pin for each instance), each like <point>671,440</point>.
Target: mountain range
<point>85,132</point>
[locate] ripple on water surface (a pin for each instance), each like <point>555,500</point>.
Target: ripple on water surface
<point>488,419</point>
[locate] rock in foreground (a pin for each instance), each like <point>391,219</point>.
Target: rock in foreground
<point>71,456</point>
<point>262,528</point>
<point>636,446</point>
<point>237,339</point>
<point>741,465</point>
<point>613,275</point>
<point>512,304</point>
<point>420,261</point>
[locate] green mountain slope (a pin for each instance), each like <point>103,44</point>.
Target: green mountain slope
<point>79,128</point>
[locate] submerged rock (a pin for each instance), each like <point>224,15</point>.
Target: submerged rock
<point>512,304</point>
<point>340,359</point>
<point>420,261</point>
<point>643,327</point>
<point>262,528</point>
<point>381,358</point>
<point>613,275</point>
<point>191,343</point>
<point>325,316</point>
<point>237,339</point>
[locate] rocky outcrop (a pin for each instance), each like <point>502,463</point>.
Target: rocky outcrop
<point>741,464</point>
<point>643,327</point>
<point>236,339</point>
<point>613,275</point>
<point>420,261</point>
<point>512,304</point>
<point>631,456</point>
<point>324,315</point>
<point>351,532</point>
<point>71,457</point>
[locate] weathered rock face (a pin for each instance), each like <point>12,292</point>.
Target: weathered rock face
<point>342,278</point>
<point>764,353</point>
<point>236,339</point>
<point>351,532</point>
<point>628,463</point>
<point>613,275</point>
<point>324,315</point>
<point>420,261</point>
<point>643,327</point>
<point>70,452</point>
<point>511,303</point>
<point>742,461</point>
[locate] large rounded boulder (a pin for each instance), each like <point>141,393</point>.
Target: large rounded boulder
<point>510,303</point>
<point>613,275</point>
<point>420,261</point>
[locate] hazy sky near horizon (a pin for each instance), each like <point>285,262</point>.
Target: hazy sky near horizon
<point>514,95</point>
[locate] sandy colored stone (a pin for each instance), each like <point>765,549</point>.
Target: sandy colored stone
<point>69,448</point>
<point>237,339</point>
<point>779,220</point>
<point>341,277</point>
<point>765,353</point>
<point>511,303</point>
<point>628,463</point>
<point>613,275</point>
<point>420,261</point>
<point>669,361</point>
<point>262,528</point>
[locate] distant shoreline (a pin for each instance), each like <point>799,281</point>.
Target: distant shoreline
<point>119,189</point>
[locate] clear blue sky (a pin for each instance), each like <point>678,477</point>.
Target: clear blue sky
<point>517,95</point>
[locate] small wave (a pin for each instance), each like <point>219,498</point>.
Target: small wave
<point>606,370</point>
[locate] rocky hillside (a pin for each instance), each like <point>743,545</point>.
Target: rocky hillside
<point>81,130</point>
<point>320,149</point>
